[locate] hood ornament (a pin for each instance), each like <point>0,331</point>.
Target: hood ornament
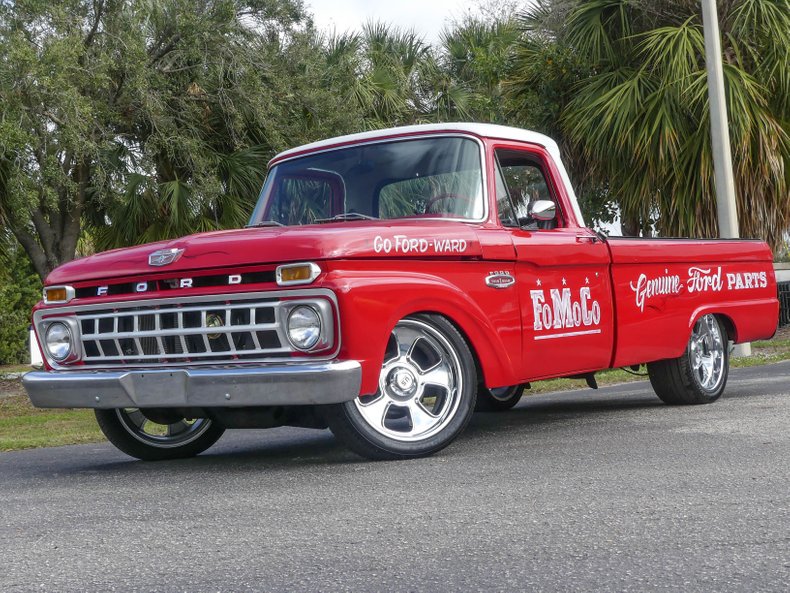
<point>164,257</point>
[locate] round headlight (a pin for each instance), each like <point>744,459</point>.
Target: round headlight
<point>58,341</point>
<point>304,327</point>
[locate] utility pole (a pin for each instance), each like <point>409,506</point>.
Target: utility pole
<point>720,135</point>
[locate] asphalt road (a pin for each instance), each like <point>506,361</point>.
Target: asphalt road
<point>585,491</point>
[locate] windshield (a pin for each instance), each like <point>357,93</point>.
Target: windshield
<point>430,178</point>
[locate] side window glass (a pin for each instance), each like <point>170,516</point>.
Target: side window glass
<point>526,184</point>
<point>503,204</point>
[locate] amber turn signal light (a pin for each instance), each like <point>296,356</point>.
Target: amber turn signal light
<point>293,274</point>
<point>57,295</point>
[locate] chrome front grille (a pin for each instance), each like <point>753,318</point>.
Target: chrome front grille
<point>208,330</point>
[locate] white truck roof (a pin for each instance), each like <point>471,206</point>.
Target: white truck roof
<point>477,129</point>
<point>486,130</point>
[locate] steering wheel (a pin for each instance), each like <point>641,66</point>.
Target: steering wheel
<point>445,196</point>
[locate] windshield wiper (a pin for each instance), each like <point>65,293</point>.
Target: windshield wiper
<point>347,216</point>
<point>264,223</point>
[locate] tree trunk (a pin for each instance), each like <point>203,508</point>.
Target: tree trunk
<point>630,225</point>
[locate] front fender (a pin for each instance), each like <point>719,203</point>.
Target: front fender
<point>372,301</point>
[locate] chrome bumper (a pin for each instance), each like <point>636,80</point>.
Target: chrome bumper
<point>286,384</point>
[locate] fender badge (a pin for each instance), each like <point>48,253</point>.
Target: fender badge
<point>500,280</point>
<point>164,257</point>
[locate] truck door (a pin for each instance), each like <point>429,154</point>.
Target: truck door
<point>562,269</point>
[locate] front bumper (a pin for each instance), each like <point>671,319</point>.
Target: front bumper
<point>205,387</point>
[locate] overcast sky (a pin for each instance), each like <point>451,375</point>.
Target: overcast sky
<point>427,17</point>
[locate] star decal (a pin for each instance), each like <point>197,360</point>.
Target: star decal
<point>539,283</point>
<point>596,274</point>
<point>564,282</point>
<point>586,280</point>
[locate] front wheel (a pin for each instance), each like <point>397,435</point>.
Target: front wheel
<point>700,374</point>
<point>155,435</point>
<point>426,394</point>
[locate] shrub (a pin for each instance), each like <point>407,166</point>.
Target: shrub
<point>20,289</point>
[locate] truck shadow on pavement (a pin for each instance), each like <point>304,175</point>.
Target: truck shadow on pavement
<point>245,450</point>
<point>286,449</point>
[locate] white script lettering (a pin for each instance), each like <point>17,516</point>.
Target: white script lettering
<point>704,280</point>
<point>564,311</point>
<point>645,288</point>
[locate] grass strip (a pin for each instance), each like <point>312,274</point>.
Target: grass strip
<point>14,368</point>
<point>24,427</point>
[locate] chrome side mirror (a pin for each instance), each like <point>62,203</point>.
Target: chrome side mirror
<point>543,210</point>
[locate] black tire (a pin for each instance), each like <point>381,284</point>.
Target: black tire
<point>685,380</point>
<point>498,400</point>
<point>396,423</point>
<point>122,429</point>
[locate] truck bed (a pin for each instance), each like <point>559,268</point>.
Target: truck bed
<point>661,286</point>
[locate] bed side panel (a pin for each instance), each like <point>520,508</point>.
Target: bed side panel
<point>662,287</point>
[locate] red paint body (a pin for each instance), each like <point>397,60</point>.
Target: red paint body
<point>619,302</point>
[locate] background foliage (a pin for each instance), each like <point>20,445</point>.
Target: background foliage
<point>20,289</point>
<point>637,117</point>
<point>127,121</point>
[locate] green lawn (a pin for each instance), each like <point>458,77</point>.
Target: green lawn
<point>24,427</point>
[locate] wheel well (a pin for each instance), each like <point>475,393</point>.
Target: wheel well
<point>732,332</point>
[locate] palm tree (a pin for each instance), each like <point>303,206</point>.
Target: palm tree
<point>381,69</point>
<point>475,56</point>
<point>636,114</point>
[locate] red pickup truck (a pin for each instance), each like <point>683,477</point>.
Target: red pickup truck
<point>387,285</point>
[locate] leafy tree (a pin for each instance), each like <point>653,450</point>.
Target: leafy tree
<point>393,77</point>
<point>475,54</point>
<point>137,120</point>
<point>631,100</point>
<point>378,72</point>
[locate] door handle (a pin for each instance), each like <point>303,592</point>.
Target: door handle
<point>587,238</point>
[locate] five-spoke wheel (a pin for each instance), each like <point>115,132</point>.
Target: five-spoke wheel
<point>425,395</point>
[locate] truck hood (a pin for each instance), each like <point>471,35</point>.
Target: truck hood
<point>269,245</point>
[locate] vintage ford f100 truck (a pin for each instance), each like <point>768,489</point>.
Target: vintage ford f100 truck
<point>387,285</point>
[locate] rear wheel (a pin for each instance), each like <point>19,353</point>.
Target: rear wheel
<point>499,399</point>
<point>426,394</point>
<point>700,374</point>
<point>154,435</point>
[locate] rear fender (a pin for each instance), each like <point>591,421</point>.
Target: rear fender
<point>739,319</point>
<point>745,321</point>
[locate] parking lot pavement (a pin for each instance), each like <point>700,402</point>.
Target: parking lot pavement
<point>584,491</point>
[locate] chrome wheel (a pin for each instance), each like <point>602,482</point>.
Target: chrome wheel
<point>699,375</point>
<point>164,432</point>
<point>419,385</point>
<point>707,353</point>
